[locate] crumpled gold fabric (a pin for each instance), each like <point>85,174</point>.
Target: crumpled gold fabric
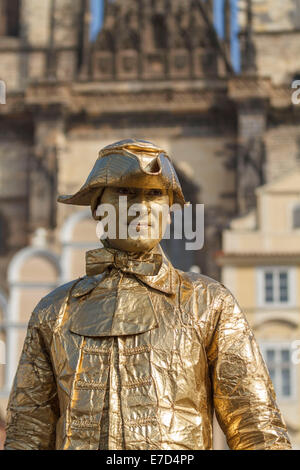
<point>130,361</point>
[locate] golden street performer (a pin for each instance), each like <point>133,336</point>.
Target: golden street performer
<point>137,354</point>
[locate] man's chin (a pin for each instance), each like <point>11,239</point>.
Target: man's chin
<point>140,245</point>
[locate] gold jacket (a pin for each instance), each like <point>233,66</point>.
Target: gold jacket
<point>131,361</point>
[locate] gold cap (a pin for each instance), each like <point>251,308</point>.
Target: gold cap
<point>131,163</point>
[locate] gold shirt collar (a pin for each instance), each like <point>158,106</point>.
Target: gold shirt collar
<point>164,280</point>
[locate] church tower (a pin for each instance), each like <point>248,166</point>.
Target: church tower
<point>161,58</point>
<point>157,40</point>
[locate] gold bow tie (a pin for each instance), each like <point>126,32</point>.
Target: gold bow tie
<point>98,260</point>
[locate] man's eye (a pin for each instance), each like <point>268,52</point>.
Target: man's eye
<point>125,191</point>
<point>155,192</point>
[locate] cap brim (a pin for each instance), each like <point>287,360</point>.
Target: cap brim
<point>125,169</point>
<point>77,199</point>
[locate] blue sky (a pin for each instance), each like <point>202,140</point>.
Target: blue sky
<point>97,17</point>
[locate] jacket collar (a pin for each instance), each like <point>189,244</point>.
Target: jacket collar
<point>164,281</point>
<point>106,315</point>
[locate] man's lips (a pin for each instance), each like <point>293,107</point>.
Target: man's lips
<point>140,227</point>
<point>141,224</point>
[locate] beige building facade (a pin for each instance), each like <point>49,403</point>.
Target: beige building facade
<point>261,266</point>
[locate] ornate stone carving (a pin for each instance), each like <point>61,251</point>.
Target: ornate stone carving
<point>154,39</point>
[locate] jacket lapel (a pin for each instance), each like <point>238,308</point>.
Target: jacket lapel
<point>113,312</point>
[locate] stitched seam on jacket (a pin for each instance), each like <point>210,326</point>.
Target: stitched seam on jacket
<point>84,424</point>
<point>81,384</point>
<point>136,350</point>
<point>141,421</point>
<point>138,382</point>
<point>94,350</point>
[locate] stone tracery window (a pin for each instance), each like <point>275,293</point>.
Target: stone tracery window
<point>10,18</point>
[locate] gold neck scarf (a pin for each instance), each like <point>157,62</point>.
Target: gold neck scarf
<point>144,263</point>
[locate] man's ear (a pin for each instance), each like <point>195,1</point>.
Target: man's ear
<point>94,208</point>
<point>96,200</point>
<point>96,217</point>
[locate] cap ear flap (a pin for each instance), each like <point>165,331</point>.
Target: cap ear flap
<point>95,201</point>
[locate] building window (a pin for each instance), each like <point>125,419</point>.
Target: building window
<point>296,217</point>
<point>276,286</point>
<point>282,372</point>
<point>10,18</point>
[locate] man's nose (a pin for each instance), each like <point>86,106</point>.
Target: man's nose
<point>144,200</point>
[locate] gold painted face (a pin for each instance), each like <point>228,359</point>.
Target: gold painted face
<point>151,226</point>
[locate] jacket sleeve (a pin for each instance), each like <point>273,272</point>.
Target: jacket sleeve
<point>243,394</point>
<point>33,410</point>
